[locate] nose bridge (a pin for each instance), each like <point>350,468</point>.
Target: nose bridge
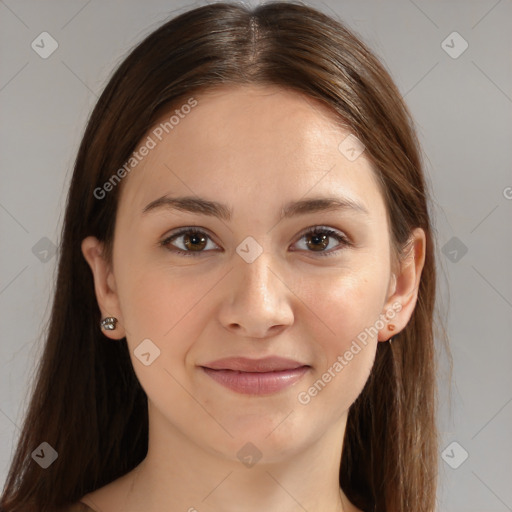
<point>258,282</point>
<point>257,297</point>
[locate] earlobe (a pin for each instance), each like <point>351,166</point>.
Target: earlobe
<point>104,284</point>
<point>406,287</point>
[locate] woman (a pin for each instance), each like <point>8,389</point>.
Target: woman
<point>247,230</point>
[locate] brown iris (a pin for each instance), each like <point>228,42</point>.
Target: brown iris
<point>194,241</point>
<point>318,239</point>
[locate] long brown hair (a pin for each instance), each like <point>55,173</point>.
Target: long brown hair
<point>86,400</point>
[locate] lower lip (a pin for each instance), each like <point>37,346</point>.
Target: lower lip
<point>256,383</point>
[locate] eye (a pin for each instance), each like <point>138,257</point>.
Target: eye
<point>193,241</point>
<point>320,239</point>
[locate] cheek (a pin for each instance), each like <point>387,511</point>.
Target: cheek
<point>164,307</point>
<point>346,304</point>
<point>158,303</point>
<point>349,309</point>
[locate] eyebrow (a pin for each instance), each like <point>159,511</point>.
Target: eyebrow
<point>203,206</point>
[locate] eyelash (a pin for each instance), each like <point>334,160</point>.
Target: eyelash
<point>315,230</point>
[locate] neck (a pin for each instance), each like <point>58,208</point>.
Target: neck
<point>180,475</point>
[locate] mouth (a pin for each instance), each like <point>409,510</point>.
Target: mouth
<point>255,376</point>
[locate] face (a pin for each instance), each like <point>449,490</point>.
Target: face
<point>261,308</point>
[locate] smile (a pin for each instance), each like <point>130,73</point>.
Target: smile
<point>256,376</point>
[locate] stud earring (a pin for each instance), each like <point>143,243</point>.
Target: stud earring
<point>109,323</point>
<point>391,327</point>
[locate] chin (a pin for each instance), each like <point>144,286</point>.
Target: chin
<point>270,438</point>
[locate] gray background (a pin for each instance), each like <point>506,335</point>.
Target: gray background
<point>462,107</point>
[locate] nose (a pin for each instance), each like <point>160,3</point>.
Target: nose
<point>257,301</point>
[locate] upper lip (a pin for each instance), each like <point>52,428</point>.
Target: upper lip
<point>244,364</point>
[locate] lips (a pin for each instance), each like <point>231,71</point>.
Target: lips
<point>255,376</point>
<point>243,364</point>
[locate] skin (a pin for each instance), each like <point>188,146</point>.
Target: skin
<point>253,148</point>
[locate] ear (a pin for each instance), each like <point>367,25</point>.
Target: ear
<point>104,285</point>
<point>403,289</point>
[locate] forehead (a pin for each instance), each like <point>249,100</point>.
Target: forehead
<point>240,144</point>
